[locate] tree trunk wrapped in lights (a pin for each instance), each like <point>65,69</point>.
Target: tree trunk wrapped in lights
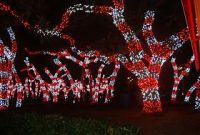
<point>160,52</point>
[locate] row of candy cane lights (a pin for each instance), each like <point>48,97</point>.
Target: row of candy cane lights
<point>10,83</point>
<point>179,76</point>
<point>147,75</point>
<point>97,86</point>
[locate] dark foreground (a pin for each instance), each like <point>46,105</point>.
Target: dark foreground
<point>175,120</point>
<point>27,123</point>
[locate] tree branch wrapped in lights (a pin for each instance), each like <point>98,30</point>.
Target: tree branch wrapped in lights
<point>195,86</point>
<point>178,77</point>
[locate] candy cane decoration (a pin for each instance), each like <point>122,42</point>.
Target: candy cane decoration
<point>97,85</point>
<point>73,84</point>
<point>55,85</point>
<point>104,84</point>
<point>58,63</point>
<point>20,94</point>
<point>63,86</point>
<point>37,92</point>
<point>112,77</point>
<point>43,89</point>
<point>78,87</point>
<point>26,86</point>
<point>31,87</point>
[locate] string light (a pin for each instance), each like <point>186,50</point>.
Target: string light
<point>197,99</point>
<point>178,77</point>
<point>195,86</point>
<point>77,86</point>
<point>8,72</point>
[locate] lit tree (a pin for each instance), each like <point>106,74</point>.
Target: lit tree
<point>9,80</point>
<point>160,52</point>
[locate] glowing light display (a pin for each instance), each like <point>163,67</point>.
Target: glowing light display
<point>96,86</point>
<point>178,77</point>
<point>147,74</point>
<point>8,73</point>
<point>194,87</point>
<point>161,51</point>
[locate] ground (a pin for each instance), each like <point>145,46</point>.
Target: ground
<point>176,119</point>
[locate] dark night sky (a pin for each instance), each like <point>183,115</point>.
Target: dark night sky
<point>92,31</point>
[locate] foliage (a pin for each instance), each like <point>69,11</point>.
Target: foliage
<point>24,123</point>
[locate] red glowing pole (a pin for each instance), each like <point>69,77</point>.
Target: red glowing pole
<point>188,6</point>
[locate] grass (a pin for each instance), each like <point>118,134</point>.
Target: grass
<point>26,123</point>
